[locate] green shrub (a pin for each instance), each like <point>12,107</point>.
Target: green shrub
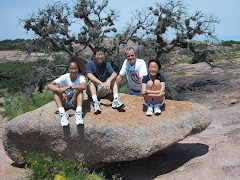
<point>123,88</point>
<point>197,59</point>
<point>230,43</point>
<point>16,76</point>
<point>46,166</point>
<point>16,44</point>
<point>20,104</point>
<point>186,52</point>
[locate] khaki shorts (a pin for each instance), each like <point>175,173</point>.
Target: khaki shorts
<point>100,91</point>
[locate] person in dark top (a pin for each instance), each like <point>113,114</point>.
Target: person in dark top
<point>153,88</point>
<point>102,80</point>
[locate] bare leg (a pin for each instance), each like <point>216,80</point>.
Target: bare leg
<point>92,88</point>
<point>77,98</point>
<point>59,99</point>
<point>114,87</point>
<point>149,86</point>
<point>157,86</point>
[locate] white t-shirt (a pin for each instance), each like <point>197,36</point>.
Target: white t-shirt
<point>134,73</point>
<point>64,80</point>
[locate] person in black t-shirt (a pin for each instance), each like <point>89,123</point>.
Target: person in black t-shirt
<point>102,80</point>
<point>153,88</point>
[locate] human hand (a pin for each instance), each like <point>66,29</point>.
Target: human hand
<point>62,89</point>
<point>162,93</point>
<point>65,97</point>
<point>107,85</point>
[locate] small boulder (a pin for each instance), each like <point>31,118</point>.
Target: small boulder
<point>114,135</point>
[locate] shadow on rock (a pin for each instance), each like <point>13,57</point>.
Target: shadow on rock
<point>163,161</point>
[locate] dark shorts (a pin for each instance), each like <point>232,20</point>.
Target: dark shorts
<point>133,92</point>
<point>69,104</point>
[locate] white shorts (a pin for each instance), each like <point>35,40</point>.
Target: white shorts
<point>162,103</point>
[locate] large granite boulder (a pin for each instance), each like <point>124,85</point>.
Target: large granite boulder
<point>114,135</point>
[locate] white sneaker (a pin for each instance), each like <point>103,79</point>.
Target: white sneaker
<point>149,110</point>
<point>78,118</point>
<point>157,109</point>
<point>117,104</point>
<point>97,109</point>
<point>64,119</point>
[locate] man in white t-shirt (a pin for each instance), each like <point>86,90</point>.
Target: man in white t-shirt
<point>135,69</point>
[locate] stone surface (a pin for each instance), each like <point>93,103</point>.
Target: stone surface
<point>214,87</point>
<point>113,135</point>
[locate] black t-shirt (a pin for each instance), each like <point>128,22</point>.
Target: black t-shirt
<point>102,73</point>
<point>148,77</point>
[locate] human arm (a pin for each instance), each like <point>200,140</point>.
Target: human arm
<point>110,77</point>
<point>94,78</point>
<point>107,84</point>
<point>80,87</point>
<point>54,87</point>
<point>119,79</point>
<point>121,73</point>
<point>153,93</point>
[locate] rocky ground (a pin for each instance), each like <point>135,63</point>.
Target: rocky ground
<point>212,154</point>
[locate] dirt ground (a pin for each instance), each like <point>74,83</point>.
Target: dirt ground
<point>212,154</point>
<point>22,56</point>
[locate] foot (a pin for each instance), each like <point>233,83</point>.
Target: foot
<point>117,104</point>
<point>149,110</point>
<point>78,118</point>
<point>157,109</point>
<point>97,109</point>
<point>64,119</point>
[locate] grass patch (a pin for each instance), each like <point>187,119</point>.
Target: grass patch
<point>230,55</point>
<point>187,60</point>
<point>3,92</point>
<point>20,104</point>
<point>123,88</point>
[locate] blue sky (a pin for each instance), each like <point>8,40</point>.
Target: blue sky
<point>226,10</point>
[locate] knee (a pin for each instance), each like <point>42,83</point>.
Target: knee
<point>150,84</point>
<point>157,82</point>
<point>55,93</point>
<point>92,84</point>
<point>78,92</point>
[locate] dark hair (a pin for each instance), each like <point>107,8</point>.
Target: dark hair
<point>81,63</point>
<point>96,49</point>
<point>156,61</point>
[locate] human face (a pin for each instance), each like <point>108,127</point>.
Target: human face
<point>73,69</point>
<point>99,57</point>
<point>131,57</point>
<point>153,69</point>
